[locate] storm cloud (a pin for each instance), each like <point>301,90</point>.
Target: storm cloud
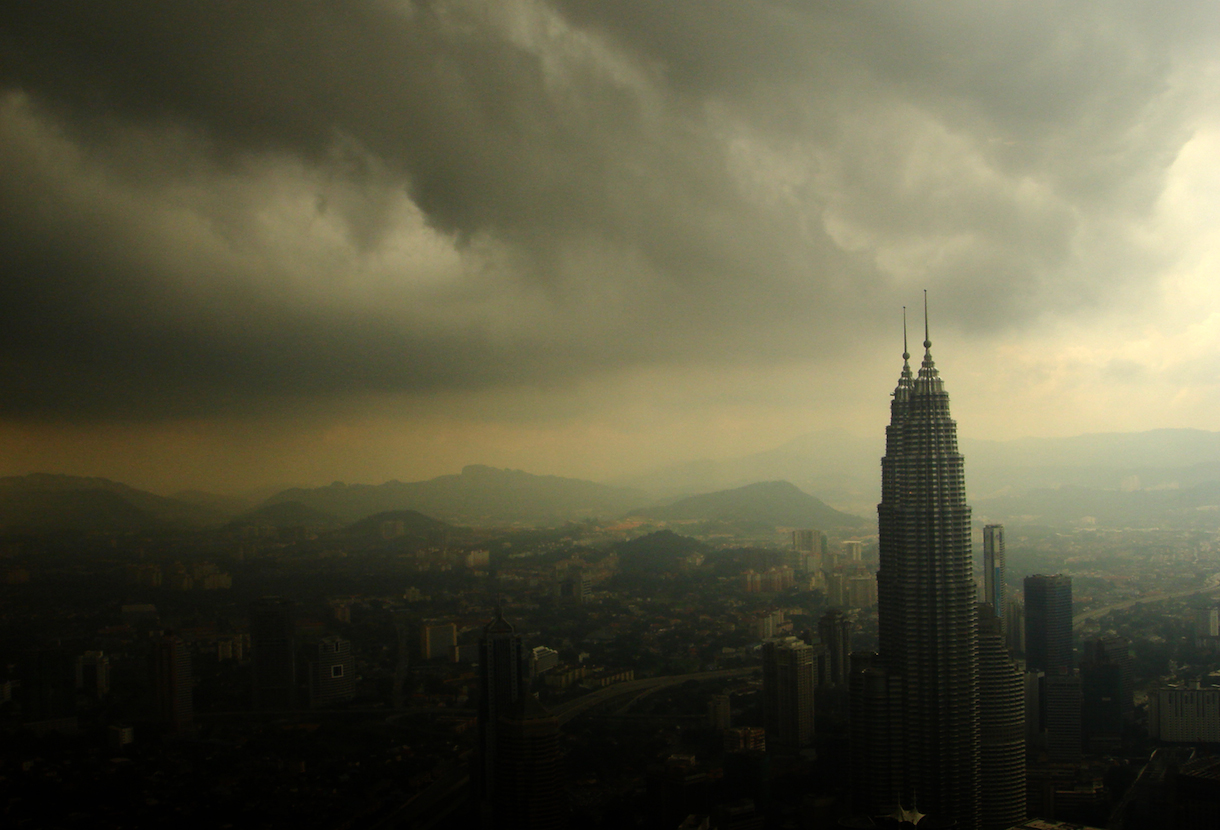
<point>215,208</point>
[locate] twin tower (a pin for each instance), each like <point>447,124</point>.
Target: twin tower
<point>918,710</point>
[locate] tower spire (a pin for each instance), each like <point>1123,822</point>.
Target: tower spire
<point>927,342</point>
<point>906,353</point>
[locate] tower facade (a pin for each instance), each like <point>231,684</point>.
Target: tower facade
<point>788,694</point>
<point>993,568</point>
<point>529,792</point>
<point>503,686</point>
<point>332,672</point>
<point>1048,623</point>
<point>834,630</point>
<point>928,636</point>
<point>1002,727</point>
<point>273,647</point>
<point>172,684</point>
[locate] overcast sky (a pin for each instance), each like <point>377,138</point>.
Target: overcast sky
<point>254,243</point>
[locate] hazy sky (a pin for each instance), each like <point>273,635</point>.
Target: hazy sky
<point>252,243</point>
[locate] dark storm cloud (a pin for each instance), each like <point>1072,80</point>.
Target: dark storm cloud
<point>623,183</point>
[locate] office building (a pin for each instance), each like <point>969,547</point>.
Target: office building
<point>834,630</point>
<point>719,713</point>
<point>503,686</point>
<point>993,568</point>
<point>1184,714</point>
<point>1061,701</point>
<point>1001,727</point>
<point>788,681</point>
<point>528,791</point>
<point>436,640</point>
<point>333,672</point>
<point>93,674</point>
<point>1048,623</point>
<point>924,684</point>
<point>273,649</point>
<point>172,684</point>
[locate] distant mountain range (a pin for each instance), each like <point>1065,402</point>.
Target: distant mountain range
<point>1111,474</point>
<point>478,496</point>
<point>44,503</point>
<point>1168,478</point>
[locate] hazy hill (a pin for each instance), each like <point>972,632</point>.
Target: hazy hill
<point>845,469</point>
<point>660,551</point>
<point>45,503</point>
<point>1188,507</point>
<point>477,496</point>
<point>771,503</point>
<point>285,514</point>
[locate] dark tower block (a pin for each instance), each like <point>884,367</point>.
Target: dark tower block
<point>503,685</point>
<point>834,630</point>
<point>928,633</point>
<point>788,682</point>
<point>1048,623</point>
<point>273,647</point>
<point>528,787</point>
<point>1002,727</point>
<point>993,568</point>
<point>172,684</point>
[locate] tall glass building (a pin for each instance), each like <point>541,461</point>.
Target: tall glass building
<point>928,634</point>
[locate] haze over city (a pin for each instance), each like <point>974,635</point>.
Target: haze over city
<point>251,245</point>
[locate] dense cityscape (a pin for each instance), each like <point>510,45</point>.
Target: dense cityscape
<point>285,669</point>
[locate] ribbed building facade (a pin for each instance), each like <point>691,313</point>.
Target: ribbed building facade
<point>503,688</point>
<point>1002,727</point>
<point>1048,623</point>
<point>928,636</point>
<point>788,681</point>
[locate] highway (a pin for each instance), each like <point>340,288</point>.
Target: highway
<point>1078,621</point>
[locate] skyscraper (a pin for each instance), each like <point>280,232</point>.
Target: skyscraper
<point>834,630</point>
<point>993,568</point>
<point>273,647</point>
<point>332,672</point>
<point>928,636</point>
<point>788,694</point>
<point>528,786</point>
<point>1002,727</point>
<point>503,685</point>
<point>171,665</point>
<point>1048,622</point>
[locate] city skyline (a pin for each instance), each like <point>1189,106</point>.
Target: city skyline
<point>374,241</point>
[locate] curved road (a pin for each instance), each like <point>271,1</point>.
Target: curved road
<point>1078,621</point>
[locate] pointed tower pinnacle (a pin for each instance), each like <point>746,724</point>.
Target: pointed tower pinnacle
<point>905,380</point>
<point>927,369</point>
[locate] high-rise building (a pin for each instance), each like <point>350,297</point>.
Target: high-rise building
<point>436,640</point>
<point>528,787</point>
<point>93,674</point>
<point>788,694</point>
<point>273,648</point>
<point>993,568</point>
<point>1107,692</point>
<point>719,713</point>
<point>172,684</point>
<point>1002,727</point>
<point>503,685</point>
<point>834,630</point>
<point>1048,622</point>
<point>1061,702</point>
<point>928,635</point>
<point>332,674</point>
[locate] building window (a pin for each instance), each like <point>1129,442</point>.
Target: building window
<point>336,671</point>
